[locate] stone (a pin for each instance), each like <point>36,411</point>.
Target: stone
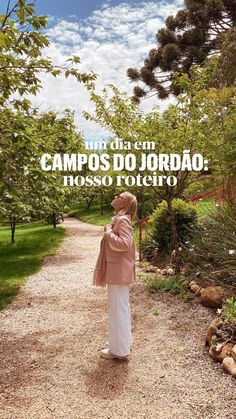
<point>229,365</point>
<point>199,290</point>
<point>153,268</point>
<point>196,289</point>
<point>164,271</point>
<point>211,331</point>
<point>212,297</point>
<point>233,353</point>
<point>170,271</point>
<point>221,351</point>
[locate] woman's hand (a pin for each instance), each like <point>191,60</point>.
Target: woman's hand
<point>107,227</point>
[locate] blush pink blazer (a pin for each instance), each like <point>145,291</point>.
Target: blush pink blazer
<point>118,267</point>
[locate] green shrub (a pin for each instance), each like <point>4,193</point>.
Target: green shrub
<point>230,310</point>
<point>185,218</point>
<point>213,245</point>
<point>174,285</point>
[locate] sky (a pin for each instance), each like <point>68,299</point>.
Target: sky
<point>109,36</point>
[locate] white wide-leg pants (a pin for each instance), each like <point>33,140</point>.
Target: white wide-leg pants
<point>119,320</point>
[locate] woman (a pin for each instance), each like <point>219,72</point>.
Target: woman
<point>115,268</point>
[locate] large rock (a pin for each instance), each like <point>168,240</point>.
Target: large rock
<point>221,351</point>
<point>211,331</point>
<point>212,297</point>
<point>233,353</point>
<point>170,271</point>
<point>196,289</point>
<point>229,365</point>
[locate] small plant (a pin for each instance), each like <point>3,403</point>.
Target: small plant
<point>230,310</point>
<point>174,285</point>
<point>212,249</point>
<point>156,311</point>
<point>144,265</point>
<point>144,277</point>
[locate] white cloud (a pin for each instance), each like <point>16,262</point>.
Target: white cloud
<point>108,42</point>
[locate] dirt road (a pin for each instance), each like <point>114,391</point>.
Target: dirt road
<point>50,338</point>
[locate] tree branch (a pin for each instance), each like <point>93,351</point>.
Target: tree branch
<point>8,13</point>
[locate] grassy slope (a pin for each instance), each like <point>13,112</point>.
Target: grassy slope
<point>204,207</point>
<point>23,258</point>
<point>93,216</point>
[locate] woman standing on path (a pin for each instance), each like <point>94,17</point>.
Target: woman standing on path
<point>115,268</point>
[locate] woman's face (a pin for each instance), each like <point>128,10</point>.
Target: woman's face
<point>118,202</point>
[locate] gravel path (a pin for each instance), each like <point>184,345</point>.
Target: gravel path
<point>52,332</point>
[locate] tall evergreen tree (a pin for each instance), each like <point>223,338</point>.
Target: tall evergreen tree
<point>201,29</point>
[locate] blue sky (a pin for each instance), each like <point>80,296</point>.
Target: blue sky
<point>79,8</point>
<point>109,36</point>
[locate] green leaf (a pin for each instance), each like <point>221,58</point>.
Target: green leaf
<point>2,40</point>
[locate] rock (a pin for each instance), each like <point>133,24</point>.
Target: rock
<point>233,353</point>
<point>198,292</point>
<point>212,297</point>
<point>229,365</point>
<point>221,351</point>
<point>211,331</point>
<point>153,269</point>
<point>195,288</point>
<point>170,271</point>
<point>163,272</point>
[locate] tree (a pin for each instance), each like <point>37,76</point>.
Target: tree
<point>25,189</point>
<point>201,29</point>
<point>21,62</point>
<point>179,128</point>
<point>24,133</point>
<point>21,54</point>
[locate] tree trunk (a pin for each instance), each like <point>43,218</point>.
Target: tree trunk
<point>101,202</point>
<point>13,228</point>
<point>174,235</point>
<point>139,209</point>
<point>54,219</point>
<point>90,202</point>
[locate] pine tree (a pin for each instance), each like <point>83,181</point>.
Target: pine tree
<point>202,29</point>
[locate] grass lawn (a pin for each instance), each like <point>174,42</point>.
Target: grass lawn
<point>24,257</point>
<point>92,216</point>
